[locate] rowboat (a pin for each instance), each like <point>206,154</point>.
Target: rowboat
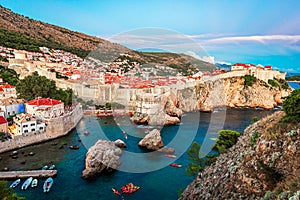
<point>34,183</point>
<point>45,167</point>
<point>48,184</point>
<point>51,167</point>
<point>15,183</point>
<point>26,183</point>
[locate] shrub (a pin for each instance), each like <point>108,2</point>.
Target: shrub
<point>254,119</point>
<point>249,80</point>
<point>291,106</point>
<point>254,137</point>
<point>226,139</point>
<point>273,83</point>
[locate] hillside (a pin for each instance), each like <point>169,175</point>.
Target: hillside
<point>20,32</point>
<point>263,164</point>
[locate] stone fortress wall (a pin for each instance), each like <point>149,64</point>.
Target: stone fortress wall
<point>56,127</point>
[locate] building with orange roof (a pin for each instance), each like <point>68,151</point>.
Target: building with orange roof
<point>3,125</point>
<point>45,108</point>
<point>7,91</point>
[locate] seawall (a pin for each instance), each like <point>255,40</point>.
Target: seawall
<point>56,127</point>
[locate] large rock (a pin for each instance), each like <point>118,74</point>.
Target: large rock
<point>104,156</point>
<point>152,140</point>
<point>120,143</point>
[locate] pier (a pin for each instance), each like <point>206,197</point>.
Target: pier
<point>27,174</point>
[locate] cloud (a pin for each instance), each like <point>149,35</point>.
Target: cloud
<point>264,39</point>
<point>209,59</point>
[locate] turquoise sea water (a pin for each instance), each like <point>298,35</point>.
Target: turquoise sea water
<point>295,85</point>
<point>160,184</point>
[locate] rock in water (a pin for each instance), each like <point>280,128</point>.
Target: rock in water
<point>152,140</point>
<point>120,143</point>
<point>104,156</point>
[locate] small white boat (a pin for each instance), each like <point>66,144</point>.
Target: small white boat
<point>52,167</point>
<point>48,184</point>
<point>15,183</point>
<point>45,167</point>
<point>34,183</point>
<point>26,183</point>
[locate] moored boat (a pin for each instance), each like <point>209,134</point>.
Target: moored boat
<point>48,184</point>
<point>26,183</point>
<point>45,167</point>
<point>175,165</point>
<point>34,183</point>
<point>15,183</point>
<point>74,147</point>
<point>52,167</point>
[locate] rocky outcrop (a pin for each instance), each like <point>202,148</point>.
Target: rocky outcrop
<point>120,143</point>
<point>152,140</point>
<point>104,156</point>
<point>232,92</point>
<point>263,163</point>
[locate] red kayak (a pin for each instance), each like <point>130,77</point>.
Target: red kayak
<point>129,188</point>
<point>175,165</point>
<point>116,191</point>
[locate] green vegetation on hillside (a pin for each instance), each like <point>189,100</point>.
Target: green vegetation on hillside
<point>226,139</point>
<point>7,193</point>
<point>249,80</point>
<point>17,40</point>
<point>9,75</point>
<point>291,106</point>
<point>34,85</point>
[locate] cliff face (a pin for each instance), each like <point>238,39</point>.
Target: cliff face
<point>266,167</point>
<point>232,92</point>
<point>206,96</point>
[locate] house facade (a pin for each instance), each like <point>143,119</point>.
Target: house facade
<point>11,107</point>
<point>26,123</point>
<point>3,125</point>
<point>45,108</point>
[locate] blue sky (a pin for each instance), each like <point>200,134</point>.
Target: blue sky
<point>262,32</point>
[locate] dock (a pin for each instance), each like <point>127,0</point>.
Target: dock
<point>27,174</point>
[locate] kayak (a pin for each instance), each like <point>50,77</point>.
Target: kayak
<point>170,156</point>
<point>26,183</point>
<point>116,191</point>
<point>175,165</point>
<point>129,188</point>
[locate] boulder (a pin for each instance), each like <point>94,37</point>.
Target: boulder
<point>152,140</point>
<point>120,143</point>
<point>103,157</point>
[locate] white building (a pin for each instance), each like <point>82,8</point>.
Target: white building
<point>26,123</point>
<point>11,106</point>
<point>45,108</point>
<point>7,91</point>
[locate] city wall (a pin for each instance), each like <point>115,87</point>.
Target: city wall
<point>56,127</point>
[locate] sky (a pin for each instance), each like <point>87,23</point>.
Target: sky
<point>249,31</point>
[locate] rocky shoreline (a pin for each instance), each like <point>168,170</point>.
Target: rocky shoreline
<point>206,96</point>
<point>268,167</point>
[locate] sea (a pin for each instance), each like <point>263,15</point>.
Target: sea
<point>148,170</point>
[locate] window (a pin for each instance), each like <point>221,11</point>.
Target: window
<point>8,113</point>
<point>41,128</point>
<point>14,112</point>
<point>26,131</point>
<point>33,129</point>
<point>25,126</point>
<point>32,124</point>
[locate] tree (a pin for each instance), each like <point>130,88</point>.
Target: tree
<point>196,163</point>
<point>9,75</point>
<point>291,106</point>
<point>226,139</point>
<point>7,193</point>
<point>34,85</point>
